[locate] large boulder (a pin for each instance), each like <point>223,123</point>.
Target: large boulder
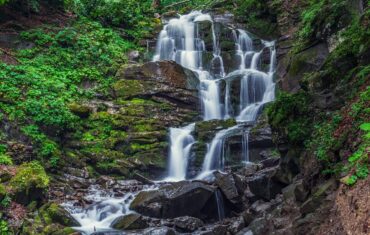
<point>188,224</point>
<point>173,200</point>
<point>292,70</point>
<point>263,184</point>
<point>227,184</point>
<point>129,222</point>
<point>163,79</point>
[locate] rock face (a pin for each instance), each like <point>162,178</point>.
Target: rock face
<point>163,79</point>
<point>174,200</point>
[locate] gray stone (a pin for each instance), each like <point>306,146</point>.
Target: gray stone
<point>129,222</point>
<point>227,185</point>
<point>173,200</point>
<point>188,224</point>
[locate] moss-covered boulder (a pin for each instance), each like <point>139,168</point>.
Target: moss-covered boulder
<point>80,110</point>
<point>50,219</point>
<point>30,183</point>
<point>292,70</point>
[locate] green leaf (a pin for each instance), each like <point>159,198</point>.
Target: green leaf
<point>365,126</point>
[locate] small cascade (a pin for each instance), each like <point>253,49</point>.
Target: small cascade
<point>220,205</point>
<point>99,216</point>
<point>181,142</point>
<point>215,157</point>
<point>245,147</point>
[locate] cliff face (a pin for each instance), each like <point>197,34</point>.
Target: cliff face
<point>323,75</point>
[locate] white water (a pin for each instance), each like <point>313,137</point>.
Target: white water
<point>181,142</point>
<point>102,212</point>
<point>180,41</point>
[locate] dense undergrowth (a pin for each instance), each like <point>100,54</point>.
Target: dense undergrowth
<point>337,136</point>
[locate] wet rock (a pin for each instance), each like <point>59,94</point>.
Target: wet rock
<point>258,226</point>
<point>217,229</point>
<point>173,200</point>
<point>260,206</point>
<point>270,162</point>
<point>227,185</point>
<point>249,169</point>
<point>164,79</point>
<point>263,185</point>
<point>237,225</point>
<point>158,231</point>
<point>130,222</point>
<point>188,224</point>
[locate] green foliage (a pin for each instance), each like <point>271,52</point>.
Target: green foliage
<point>290,116</point>
<point>5,159</point>
<point>320,14</point>
<point>135,16</point>
<point>37,91</point>
<point>257,15</point>
<point>30,175</point>
<point>6,201</point>
<point>4,230</point>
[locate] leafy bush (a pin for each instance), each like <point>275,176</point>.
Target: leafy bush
<point>30,175</point>
<point>135,16</point>
<point>4,230</point>
<point>290,116</point>
<point>5,159</point>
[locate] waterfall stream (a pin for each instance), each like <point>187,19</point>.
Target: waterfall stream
<point>181,41</point>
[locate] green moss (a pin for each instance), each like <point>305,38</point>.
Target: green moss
<point>80,110</point>
<point>5,159</point>
<point>30,175</point>
<point>128,88</point>
<point>290,116</point>
<point>3,192</point>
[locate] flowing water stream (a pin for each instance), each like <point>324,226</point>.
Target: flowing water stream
<point>181,41</point>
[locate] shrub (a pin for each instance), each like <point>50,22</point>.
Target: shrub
<point>290,116</point>
<point>5,159</point>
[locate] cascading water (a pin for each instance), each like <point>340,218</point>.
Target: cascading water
<point>181,142</point>
<point>180,41</point>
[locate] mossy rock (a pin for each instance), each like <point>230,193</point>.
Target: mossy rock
<point>50,219</point>
<point>80,110</point>
<point>206,130</point>
<point>53,213</point>
<point>29,183</point>
<point>3,192</point>
<point>128,88</point>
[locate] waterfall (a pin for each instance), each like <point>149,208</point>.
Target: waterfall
<point>181,41</point>
<point>181,141</point>
<point>220,205</point>
<point>245,147</point>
